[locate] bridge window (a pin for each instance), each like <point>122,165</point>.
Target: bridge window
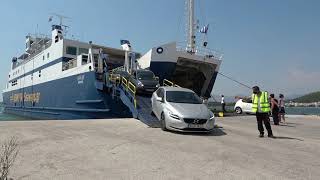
<point>71,50</point>
<point>83,51</point>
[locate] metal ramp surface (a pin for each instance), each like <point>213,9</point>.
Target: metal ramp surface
<point>145,112</point>
<point>140,106</point>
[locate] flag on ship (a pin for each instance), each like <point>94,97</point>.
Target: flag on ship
<point>204,29</point>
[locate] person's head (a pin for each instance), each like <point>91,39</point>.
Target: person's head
<point>255,90</point>
<point>281,96</point>
<point>222,95</point>
<point>272,95</point>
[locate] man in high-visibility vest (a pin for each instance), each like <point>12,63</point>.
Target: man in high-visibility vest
<point>261,106</point>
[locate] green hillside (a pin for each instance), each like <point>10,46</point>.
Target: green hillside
<point>312,97</point>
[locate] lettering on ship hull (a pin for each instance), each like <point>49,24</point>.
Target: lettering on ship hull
<point>20,97</point>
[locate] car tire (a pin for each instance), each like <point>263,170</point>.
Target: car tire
<point>238,110</point>
<point>163,122</point>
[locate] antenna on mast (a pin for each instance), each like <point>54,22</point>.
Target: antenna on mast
<point>61,19</point>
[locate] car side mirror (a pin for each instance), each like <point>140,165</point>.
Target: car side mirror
<point>205,101</point>
<point>159,99</point>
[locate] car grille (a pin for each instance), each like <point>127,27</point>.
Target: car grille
<point>195,121</point>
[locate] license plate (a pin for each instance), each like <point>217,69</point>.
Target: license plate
<point>195,126</point>
<point>149,90</point>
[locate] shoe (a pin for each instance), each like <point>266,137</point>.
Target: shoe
<point>271,136</point>
<point>261,135</point>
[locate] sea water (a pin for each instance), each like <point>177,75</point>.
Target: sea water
<point>9,117</point>
<point>289,110</point>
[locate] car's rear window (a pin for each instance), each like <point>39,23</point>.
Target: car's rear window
<point>145,75</point>
<point>183,97</point>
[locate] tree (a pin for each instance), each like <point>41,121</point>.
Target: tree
<point>8,153</point>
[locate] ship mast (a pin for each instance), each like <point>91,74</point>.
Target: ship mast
<point>191,46</point>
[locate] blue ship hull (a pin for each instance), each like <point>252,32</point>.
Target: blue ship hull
<point>66,98</point>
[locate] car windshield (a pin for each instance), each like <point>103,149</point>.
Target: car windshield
<point>182,97</point>
<point>145,75</point>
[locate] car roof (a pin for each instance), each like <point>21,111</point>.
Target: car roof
<point>170,88</point>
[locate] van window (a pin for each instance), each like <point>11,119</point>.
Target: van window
<point>71,50</point>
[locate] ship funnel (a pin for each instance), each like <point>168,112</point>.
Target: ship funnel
<point>57,33</point>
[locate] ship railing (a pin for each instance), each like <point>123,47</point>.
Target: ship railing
<point>130,89</point>
<point>115,78</point>
<point>169,83</point>
<point>121,68</point>
<point>201,51</point>
<point>36,52</point>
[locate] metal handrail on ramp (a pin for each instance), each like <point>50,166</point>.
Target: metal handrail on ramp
<point>166,82</point>
<point>140,106</point>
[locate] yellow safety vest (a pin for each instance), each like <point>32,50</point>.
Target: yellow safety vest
<point>264,103</point>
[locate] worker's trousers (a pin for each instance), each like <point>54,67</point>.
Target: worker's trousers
<point>264,117</point>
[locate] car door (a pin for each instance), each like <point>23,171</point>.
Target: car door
<point>247,106</point>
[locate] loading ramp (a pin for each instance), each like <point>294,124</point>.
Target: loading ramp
<point>139,105</point>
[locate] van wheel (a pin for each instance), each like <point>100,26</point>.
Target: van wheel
<point>238,110</point>
<point>163,122</point>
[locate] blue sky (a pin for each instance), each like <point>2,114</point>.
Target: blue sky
<point>281,35</point>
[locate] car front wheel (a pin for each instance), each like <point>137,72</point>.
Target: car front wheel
<point>238,110</point>
<point>163,122</point>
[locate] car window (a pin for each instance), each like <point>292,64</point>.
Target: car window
<point>160,92</point>
<point>183,97</point>
<point>145,75</point>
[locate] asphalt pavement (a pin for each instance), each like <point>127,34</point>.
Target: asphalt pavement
<point>128,149</point>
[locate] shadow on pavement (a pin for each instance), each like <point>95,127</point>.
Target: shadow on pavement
<point>286,125</point>
<point>289,138</point>
<point>215,132</point>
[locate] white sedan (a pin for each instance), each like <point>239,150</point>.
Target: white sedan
<point>243,106</point>
<point>181,109</point>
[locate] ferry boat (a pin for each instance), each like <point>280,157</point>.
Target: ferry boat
<point>61,78</point>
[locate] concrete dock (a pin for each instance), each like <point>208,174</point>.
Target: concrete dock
<point>128,149</point>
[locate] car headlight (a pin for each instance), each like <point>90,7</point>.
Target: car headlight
<point>174,116</point>
<point>211,115</point>
<point>140,84</point>
<point>158,85</point>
